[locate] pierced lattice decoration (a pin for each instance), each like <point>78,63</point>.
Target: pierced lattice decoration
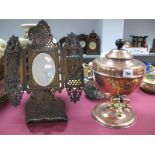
<point>42,41</point>
<point>13,72</point>
<point>65,70</point>
<point>20,75</point>
<point>73,59</point>
<point>41,36</point>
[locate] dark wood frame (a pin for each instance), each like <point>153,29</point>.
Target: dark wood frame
<point>83,37</point>
<point>93,37</point>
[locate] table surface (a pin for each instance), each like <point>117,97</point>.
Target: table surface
<point>80,121</point>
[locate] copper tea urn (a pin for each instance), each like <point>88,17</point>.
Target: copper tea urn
<point>120,74</point>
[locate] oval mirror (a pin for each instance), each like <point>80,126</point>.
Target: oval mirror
<point>43,69</point>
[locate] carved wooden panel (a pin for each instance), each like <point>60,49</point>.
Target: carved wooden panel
<point>73,70</point>
<point>42,41</point>
<point>13,70</point>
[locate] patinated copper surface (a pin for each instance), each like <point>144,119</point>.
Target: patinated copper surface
<point>148,86</point>
<point>103,115</point>
<point>119,74</point>
<point>108,72</point>
<point>116,86</point>
<point>114,67</point>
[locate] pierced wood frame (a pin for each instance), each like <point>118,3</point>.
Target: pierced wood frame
<point>73,70</point>
<point>68,64</point>
<point>13,63</point>
<point>42,42</point>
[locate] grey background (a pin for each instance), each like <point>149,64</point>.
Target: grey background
<point>59,27</point>
<point>143,27</point>
<point>62,27</point>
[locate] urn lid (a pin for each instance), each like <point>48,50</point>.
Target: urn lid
<point>119,53</point>
<point>119,63</point>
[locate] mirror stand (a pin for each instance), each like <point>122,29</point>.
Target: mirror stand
<point>41,69</point>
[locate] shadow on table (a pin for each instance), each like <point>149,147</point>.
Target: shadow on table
<point>4,105</point>
<point>45,129</point>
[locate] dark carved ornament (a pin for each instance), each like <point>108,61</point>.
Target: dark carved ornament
<point>13,74</point>
<point>72,40</point>
<point>2,68</point>
<point>73,55</point>
<point>41,35</point>
<point>42,41</point>
<point>42,105</point>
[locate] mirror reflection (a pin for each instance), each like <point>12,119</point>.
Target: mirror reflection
<point>43,69</point>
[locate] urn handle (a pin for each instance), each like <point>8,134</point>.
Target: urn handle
<point>119,43</point>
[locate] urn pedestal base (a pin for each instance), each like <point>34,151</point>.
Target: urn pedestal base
<point>108,116</point>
